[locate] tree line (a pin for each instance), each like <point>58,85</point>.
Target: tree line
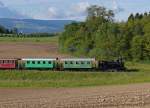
<point>100,36</point>
<point>4,32</point>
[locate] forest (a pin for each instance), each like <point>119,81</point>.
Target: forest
<point>104,38</point>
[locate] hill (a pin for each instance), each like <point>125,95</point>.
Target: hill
<point>32,25</point>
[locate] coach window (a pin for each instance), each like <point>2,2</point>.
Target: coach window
<point>82,62</point>
<point>44,62</point>
<point>88,62</point>
<point>12,61</point>
<point>66,62</point>
<point>28,62</point>
<point>71,62</point>
<point>49,62</point>
<point>77,62</point>
<point>33,62</point>
<point>6,61</point>
<point>39,62</point>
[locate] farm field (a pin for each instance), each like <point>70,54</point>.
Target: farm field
<point>29,47</point>
<point>122,96</point>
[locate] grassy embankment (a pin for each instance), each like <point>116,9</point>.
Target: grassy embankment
<point>33,79</point>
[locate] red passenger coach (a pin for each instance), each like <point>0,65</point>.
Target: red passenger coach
<point>8,63</point>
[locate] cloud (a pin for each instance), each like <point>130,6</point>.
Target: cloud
<point>116,7</point>
<point>74,12</point>
<point>77,11</point>
<point>81,7</point>
<point>52,12</point>
<point>48,9</point>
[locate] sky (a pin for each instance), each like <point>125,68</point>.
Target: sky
<point>73,9</point>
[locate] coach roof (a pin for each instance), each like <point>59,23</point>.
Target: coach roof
<point>78,59</point>
<point>7,59</point>
<point>38,59</point>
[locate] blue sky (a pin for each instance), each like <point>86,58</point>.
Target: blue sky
<point>73,9</point>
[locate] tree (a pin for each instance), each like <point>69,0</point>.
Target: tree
<point>68,34</point>
<point>137,48</point>
<point>14,30</point>
<point>147,46</point>
<point>145,14</point>
<point>98,11</point>
<point>3,29</point>
<point>131,17</point>
<point>137,16</point>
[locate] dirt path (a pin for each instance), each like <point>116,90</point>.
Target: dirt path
<point>127,96</point>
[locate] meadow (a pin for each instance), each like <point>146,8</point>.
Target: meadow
<point>139,73</point>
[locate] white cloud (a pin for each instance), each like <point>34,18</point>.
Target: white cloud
<point>74,11</point>
<point>52,12</point>
<point>116,7</point>
<point>77,11</point>
<point>49,13</point>
<point>81,7</point>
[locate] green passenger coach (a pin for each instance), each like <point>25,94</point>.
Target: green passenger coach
<point>39,63</point>
<point>77,63</point>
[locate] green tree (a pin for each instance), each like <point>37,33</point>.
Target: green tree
<point>137,48</point>
<point>98,11</point>
<point>147,47</point>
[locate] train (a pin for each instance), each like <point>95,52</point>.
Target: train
<point>61,64</point>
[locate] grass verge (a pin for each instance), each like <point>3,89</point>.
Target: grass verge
<point>33,79</point>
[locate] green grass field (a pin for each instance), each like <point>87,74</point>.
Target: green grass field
<point>30,39</point>
<point>33,79</point>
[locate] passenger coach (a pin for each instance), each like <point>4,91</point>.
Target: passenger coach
<point>82,63</point>
<point>40,63</point>
<point>8,63</point>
